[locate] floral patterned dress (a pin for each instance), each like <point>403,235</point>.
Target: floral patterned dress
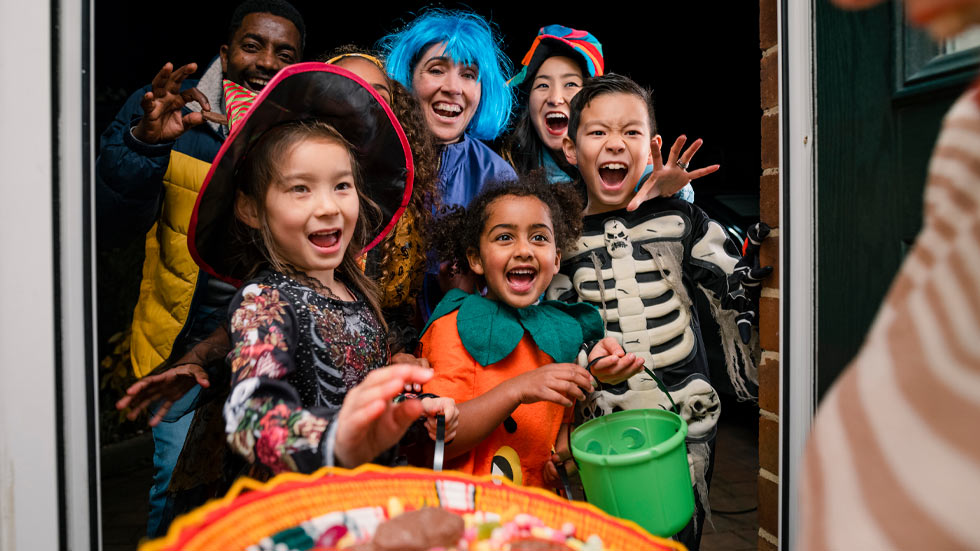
<point>295,353</point>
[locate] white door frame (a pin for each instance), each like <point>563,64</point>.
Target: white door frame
<point>798,235</point>
<point>48,412</point>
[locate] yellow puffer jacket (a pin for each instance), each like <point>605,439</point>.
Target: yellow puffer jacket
<point>169,273</point>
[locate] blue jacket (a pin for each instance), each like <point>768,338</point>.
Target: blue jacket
<point>466,166</point>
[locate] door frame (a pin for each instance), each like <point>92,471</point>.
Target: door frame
<point>798,235</point>
<point>48,375</point>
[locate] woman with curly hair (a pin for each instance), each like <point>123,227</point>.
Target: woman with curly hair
<point>398,264</point>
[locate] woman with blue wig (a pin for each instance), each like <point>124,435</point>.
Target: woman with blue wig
<point>452,62</point>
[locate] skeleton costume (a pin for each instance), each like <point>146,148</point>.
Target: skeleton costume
<point>640,269</point>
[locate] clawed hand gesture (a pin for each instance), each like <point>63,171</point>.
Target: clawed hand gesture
<point>163,119</point>
<point>668,178</point>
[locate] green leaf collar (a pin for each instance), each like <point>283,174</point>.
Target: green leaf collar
<point>491,330</point>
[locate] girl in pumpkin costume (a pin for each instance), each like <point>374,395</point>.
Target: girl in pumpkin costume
<point>505,357</point>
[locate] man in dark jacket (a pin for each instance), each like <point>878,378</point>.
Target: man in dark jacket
<point>152,161</point>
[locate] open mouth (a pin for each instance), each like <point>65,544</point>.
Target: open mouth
<point>450,110</point>
<point>325,239</point>
<point>556,122</point>
<point>256,84</point>
<point>521,279</point>
<point>613,174</point>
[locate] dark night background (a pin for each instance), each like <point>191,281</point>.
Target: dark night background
<point>700,58</point>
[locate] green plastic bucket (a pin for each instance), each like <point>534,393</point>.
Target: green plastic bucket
<point>633,465</point>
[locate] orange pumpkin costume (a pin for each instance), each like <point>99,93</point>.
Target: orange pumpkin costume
<point>521,446</point>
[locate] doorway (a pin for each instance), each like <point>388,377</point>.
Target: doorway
<point>701,59</point>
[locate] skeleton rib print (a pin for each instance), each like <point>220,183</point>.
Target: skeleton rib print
<point>644,305</point>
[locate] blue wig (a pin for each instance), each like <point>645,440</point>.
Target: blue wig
<point>469,40</point>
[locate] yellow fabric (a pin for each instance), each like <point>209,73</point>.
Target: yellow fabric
<point>169,272</point>
<point>404,264</point>
<point>368,57</point>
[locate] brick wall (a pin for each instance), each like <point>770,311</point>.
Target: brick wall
<point>769,306</point>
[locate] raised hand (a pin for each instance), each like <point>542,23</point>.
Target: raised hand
<point>369,422</point>
<point>166,388</point>
<point>559,383</point>
<point>744,285</point>
<point>163,120</point>
<point>612,364</point>
<point>668,178</point>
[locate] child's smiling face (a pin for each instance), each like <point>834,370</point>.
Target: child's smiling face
<point>312,211</point>
<point>612,148</point>
<point>517,255</point>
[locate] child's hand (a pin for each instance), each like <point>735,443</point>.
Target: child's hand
<point>561,384</point>
<point>432,407</point>
<point>368,421</point>
<point>163,120</point>
<point>550,472</point>
<point>403,358</point>
<point>667,179</point>
<point>166,388</point>
<point>614,365</point>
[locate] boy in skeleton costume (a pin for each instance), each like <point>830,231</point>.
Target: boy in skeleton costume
<point>640,263</point>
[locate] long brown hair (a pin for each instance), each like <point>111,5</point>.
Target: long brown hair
<point>262,165</point>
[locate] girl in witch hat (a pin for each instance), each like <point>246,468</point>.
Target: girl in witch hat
<point>317,172</point>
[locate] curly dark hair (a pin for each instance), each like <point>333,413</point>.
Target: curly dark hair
<point>347,50</point>
<point>458,230</point>
<point>425,192</point>
<point>425,189</point>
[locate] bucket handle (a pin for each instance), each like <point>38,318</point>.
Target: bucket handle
<point>438,453</point>
<point>660,383</point>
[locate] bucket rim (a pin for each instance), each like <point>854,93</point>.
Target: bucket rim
<point>633,457</point>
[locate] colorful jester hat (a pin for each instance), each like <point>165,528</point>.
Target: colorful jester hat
<point>555,40</point>
<point>304,91</point>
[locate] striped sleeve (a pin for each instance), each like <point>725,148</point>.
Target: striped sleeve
<point>893,459</point>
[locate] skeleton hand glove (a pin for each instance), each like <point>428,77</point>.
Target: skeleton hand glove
<point>744,284</point>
